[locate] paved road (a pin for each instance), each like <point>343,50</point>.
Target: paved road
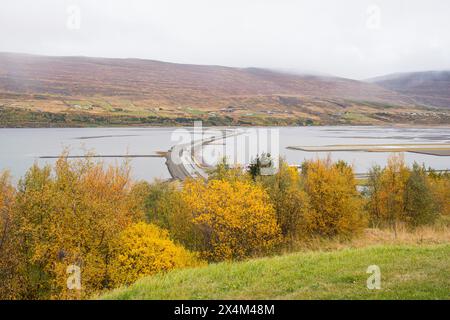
<point>181,162</point>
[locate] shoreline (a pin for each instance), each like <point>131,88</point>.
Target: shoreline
<point>145,126</point>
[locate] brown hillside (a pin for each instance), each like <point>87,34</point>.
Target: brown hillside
<point>141,88</point>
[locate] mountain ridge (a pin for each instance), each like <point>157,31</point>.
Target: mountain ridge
<point>242,80</point>
<point>133,87</point>
<point>431,88</point>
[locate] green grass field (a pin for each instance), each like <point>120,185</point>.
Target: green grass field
<point>407,272</point>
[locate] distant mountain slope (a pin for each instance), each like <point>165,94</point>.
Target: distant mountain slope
<point>38,90</point>
<point>430,87</point>
<point>136,78</point>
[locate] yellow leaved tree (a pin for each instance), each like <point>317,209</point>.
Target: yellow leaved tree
<point>236,218</point>
<point>335,206</point>
<point>10,259</point>
<point>440,187</point>
<point>145,249</point>
<point>289,200</point>
<point>391,195</point>
<point>70,216</point>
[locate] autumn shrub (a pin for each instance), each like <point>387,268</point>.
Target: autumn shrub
<point>166,208</point>
<point>373,196</point>
<point>386,191</point>
<point>335,206</point>
<point>10,259</point>
<point>145,249</point>
<point>399,195</point>
<point>420,207</point>
<point>70,216</point>
<point>236,218</point>
<point>440,189</point>
<point>393,181</point>
<point>224,171</point>
<point>289,200</point>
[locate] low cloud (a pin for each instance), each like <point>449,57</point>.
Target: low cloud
<point>352,38</point>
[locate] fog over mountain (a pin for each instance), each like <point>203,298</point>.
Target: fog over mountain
<point>355,39</point>
<point>178,83</point>
<point>430,88</point>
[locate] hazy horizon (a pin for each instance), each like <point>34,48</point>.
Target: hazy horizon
<point>356,39</point>
<point>298,72</point>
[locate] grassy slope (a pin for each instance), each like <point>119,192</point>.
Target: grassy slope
<point>408,272</point>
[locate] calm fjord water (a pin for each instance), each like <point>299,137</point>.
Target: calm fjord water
<point>20,148</point>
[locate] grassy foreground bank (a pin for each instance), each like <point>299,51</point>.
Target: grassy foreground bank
<point>407,272</point>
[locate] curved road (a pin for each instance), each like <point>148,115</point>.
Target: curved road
<point>181,162</point>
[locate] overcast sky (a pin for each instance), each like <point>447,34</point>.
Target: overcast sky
<point>349,38</point>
